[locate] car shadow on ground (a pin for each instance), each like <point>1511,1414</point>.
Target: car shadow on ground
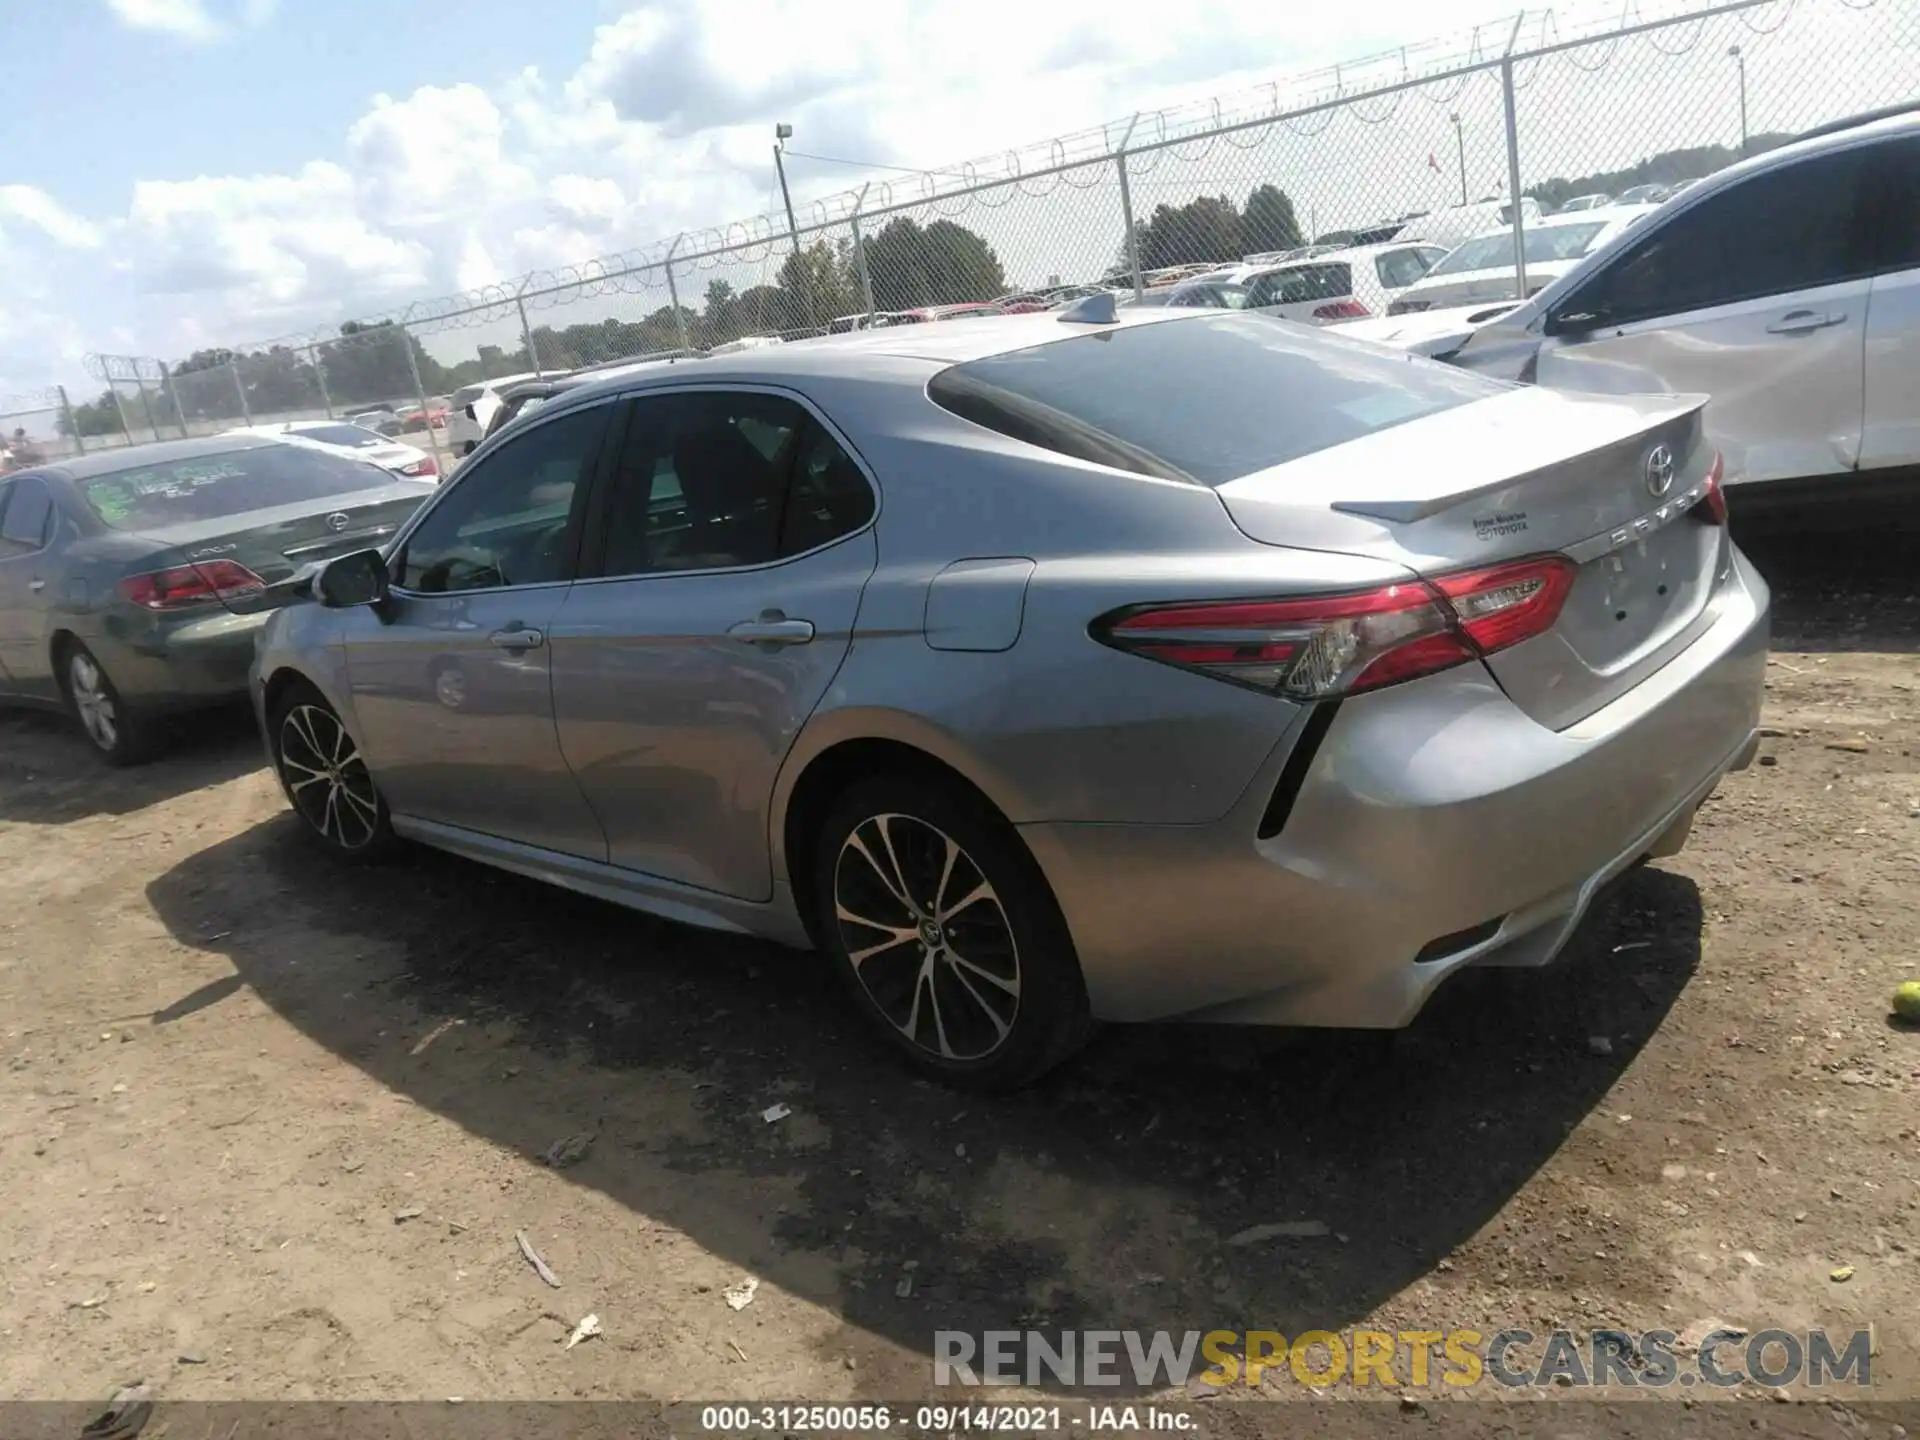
<point>53,777</point>
<point>1858,591</point>
<point>1107,1195</point>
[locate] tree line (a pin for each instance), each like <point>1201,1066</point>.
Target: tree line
<point>908,265</point>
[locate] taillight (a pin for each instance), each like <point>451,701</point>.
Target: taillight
<point>188,585</point>
<point>423,466</point>
<point>1348,309</point>
<point>1313,649</point>
<point>1505,604</point>
<point>1712,506</point>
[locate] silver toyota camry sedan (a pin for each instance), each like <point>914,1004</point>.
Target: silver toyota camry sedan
<point>1051,669</point>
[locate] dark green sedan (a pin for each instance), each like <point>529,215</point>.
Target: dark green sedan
<point>131,583</point>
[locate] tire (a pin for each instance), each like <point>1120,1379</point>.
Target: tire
<point>119,735</point>
<point>325,780</point>
<point>964,962</point>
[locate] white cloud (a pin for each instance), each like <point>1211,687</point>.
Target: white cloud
<point>33,206</point>
<point>664,125</point>
<point>266,246</point>
<point>198,20</point>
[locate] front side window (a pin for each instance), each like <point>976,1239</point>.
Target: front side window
<point>507,521</point>
<point>25,521</point>
<point>1773,233</point>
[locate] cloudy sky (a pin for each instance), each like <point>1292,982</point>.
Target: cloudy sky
<point>183,172</point>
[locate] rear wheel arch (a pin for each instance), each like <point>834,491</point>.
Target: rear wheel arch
<point>829,774</point>
<point>59,644</point>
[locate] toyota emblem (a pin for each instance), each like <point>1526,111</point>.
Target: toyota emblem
<point>1659,471</point>
<point>337,522</point>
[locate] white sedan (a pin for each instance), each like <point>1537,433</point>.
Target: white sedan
<point>1480,271</point>
<point>344,439</point>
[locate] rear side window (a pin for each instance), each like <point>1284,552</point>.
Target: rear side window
<point>214,487</point>
<point>23,525</point>
<point>1205,399</point>
<point>1773,233</point>
<point>467,394</point>
<point>351,436</point>
<point>1398,269</point>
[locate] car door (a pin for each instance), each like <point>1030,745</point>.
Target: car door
<point>450,678</point>
<point>27,586</point>
<point>1891,416</point>
<point>725,562</point>
<point>1755,295</point>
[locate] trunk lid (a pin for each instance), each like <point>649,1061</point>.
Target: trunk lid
<point>277,541</point>
<point>1529,472</point>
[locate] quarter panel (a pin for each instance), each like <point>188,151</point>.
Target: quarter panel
<point>1891,433</point>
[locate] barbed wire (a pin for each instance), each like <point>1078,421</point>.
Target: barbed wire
<point>1371,89</point>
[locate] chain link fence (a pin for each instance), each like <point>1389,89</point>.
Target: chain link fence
<point>1429,144</point>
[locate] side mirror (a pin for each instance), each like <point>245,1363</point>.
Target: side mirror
<point>350,580</point>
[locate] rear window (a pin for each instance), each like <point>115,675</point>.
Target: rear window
<point>350,435</point>
<point>1544,243</point>
<point>1205,399</point>
<point>1302,283</point>
<point>213,487</point>
<point>467,394</point>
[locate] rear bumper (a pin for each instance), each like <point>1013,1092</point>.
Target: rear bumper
<point>198,661</point>
<point>1432,809</point>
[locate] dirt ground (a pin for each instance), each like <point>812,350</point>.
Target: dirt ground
<point>268,1128</point>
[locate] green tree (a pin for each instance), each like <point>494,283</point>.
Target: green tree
<point>942,264</point>
<point>766,310</point>
<point>1201,231</point>
<point>720,322</point>
<point>817,281</point>
<point>1268,222</point>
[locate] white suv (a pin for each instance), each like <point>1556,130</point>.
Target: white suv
<point>470,408</point>
<point>1348,284</point>
<point>1786,287</point>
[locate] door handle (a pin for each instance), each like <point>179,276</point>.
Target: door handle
<point>773,629</point>
<point>1799,322</point>
<point>516,638</point>
<point>36,585</point>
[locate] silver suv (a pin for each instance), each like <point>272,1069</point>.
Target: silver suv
<point>1786,287</point>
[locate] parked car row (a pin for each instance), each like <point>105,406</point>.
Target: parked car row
<point>1787,287</point>
<point>968,656</point>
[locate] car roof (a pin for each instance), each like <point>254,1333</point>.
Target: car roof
<point>135,457</point>
<point>890,350</point>
<point>1605,214</point>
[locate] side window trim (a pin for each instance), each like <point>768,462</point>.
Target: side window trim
<point>591,566</point>
<point>576,510</point>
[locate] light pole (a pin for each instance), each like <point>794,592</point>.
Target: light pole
<point>1740,60</point>
<point>781,134</point>
<point>1460,147</point>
